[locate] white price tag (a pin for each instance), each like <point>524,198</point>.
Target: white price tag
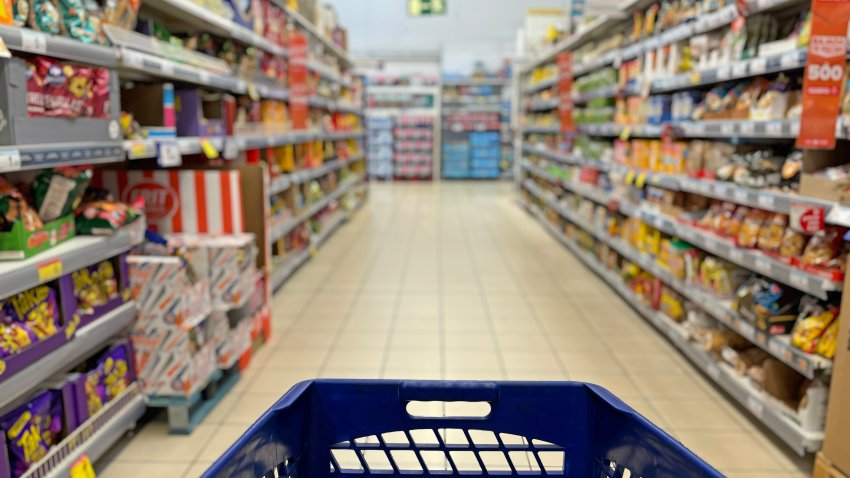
<point>724,72</point>
<point>10,160</point>
<point>789,60</point>
<point>168,154</point>
<point>132,59</point>
<point>798,280</point>
<point>739,69</point>
<point>727,128</point>
<point>748,128</point>
<point>204,76</point>
<point>736,255</point>
<point>758,66</point>
<point>33,41</point>
<point>713,371</point>
<point>795,128</point>
<point>839,215</point>
<point>773,128</point>
<point>766,200</point>
<point>231,149</point>
<point>756,405</point>
<point>167,67</point>
<point>764,265</point>
<point>740,196</point>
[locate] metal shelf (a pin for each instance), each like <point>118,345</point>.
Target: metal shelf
<point>776,201</point>
<point>741,129</point>
<point>94,437</point>
<point>477,82</point>
<point>33,41</point>
<point>540,129</point>
<point>540,85</point>
<point>311,29</point>
<point>86,341</point>
<point>751,259</point>
<point>46,155</point>
<point>604,92</point>
<point>767,410</point>
<point>285,181</point>
<point>287,226</point>
<point>197,16</point>
<point>543,105</point>
<point>72,255</point>
<point>285,269</point>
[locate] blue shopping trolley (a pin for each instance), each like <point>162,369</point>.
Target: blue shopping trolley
<point>343,428</point>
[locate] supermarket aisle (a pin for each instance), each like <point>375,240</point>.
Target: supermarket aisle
<point>455,281</point>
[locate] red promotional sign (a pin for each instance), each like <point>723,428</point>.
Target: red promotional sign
<point>807,218</point>
<point>823,83</point>
<point>299,92</point>
<point>565,92</point>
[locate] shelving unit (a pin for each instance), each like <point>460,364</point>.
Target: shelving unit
<point>590,165</point>
<point>333,124</point>
<point>475,128</point>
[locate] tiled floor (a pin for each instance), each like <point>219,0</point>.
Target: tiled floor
<point>455,281</point>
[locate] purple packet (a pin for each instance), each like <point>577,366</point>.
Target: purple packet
<point>94,286</point>
<point>15,337</point>
<point>95,391</point>
<point>31,430</point>
<point>115,368</point>
<point>37,308</point>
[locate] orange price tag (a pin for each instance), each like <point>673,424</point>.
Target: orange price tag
<point>82,468</point>
<point>313,251</point>
<point>49,270</point>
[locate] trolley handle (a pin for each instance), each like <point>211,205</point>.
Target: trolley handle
<point>448,391</point>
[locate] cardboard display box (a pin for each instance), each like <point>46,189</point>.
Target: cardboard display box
<point>816,186</point>
<point>825,469</point>
<point>836,443</point>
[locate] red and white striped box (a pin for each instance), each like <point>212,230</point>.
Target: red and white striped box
<point>196,201</point>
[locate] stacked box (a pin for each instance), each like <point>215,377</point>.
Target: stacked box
<point>379,157</point>
<point>485,155</point>
<point>172,357</point>
<point>456,160</point>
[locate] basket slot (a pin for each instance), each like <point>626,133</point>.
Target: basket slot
<point>496,462</point>
<point>509,440</point>
<point>436,462</point>
<point>483,439</point>
<point>395,439</point>
<point>525,462</point>
<point>424,438</point>
<point>407,461</point>
<point>377,461</point>
<point>347,460</point>
<point>453,437</point>
<point>466,462</point>
<point>437,409</point>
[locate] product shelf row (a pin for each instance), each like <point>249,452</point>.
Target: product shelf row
<point>86,341</point>
<point>751,259</point>
<point>284,181</point>
<point>776,201</point>
<point>778,346</point>
<point>288,225</point>
<point>302,22</point>
<point>703,24</point>
<point>73,254</point>
<point>764,408</point>
<point>742,129</point>
<point>288,266</point>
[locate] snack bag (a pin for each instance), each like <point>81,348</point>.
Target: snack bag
<point>823,247</point>
<point>115,370</point>
<point>792,245</point>
<point>94,286</point>
<point>100,93</point>
<point>14,209</point>
<point>75,21</point>
<point>65,90</point>
<point>733,225</point>
<point>95,391</point>
<point>58,191</point>
<point>20,12</point>
<point>749,233</point>
<point>809,330</point>
<point>826,344</point>
<point>45,17</point>
<point>32,429</point>
<point>14,337</point>
<point>771,235</point>
<point>37,308</point>
<point>104,217</point>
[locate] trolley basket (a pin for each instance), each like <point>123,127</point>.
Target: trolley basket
<point>344,428</point>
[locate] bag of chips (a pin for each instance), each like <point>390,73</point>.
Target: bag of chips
<point>37,308</point>
<point>104,217</point>
<point>32,429</point>
<point>808,330</point>
<point>59,191</point>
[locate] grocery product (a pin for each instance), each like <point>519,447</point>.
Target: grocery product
<point>32,429</point>
<point>809,329</point>
<point>57,192</point>
<point>37,309</point>
<point>15,210</point>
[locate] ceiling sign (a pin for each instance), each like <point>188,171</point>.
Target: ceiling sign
<point>421,8</point>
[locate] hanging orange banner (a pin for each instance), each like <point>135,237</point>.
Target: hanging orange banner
<point>565,92</point>
<point>299,90</point>
<point>823,83</point>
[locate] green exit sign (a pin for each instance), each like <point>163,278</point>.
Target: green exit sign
<point>419,8</point>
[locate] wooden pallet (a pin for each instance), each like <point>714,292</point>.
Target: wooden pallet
<point>825,469</point>
<point>186,413</point>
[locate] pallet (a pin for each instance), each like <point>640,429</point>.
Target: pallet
<point>186,413</point>
<point>825,469</point>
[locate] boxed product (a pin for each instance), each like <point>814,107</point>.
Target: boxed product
<point>194,201</point>
<point>99,288</point>
<point>200,113</point>
<point>104,377</point>
<point>152,106</point>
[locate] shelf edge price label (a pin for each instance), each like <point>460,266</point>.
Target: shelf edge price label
<point>168,154</point>
<point>209,149</point>
<point>33,41</point>
<point>10,160</point>
<point>82,468</point>
<point>49,270</point>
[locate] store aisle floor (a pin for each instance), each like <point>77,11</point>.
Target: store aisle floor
<point>455,281</point>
